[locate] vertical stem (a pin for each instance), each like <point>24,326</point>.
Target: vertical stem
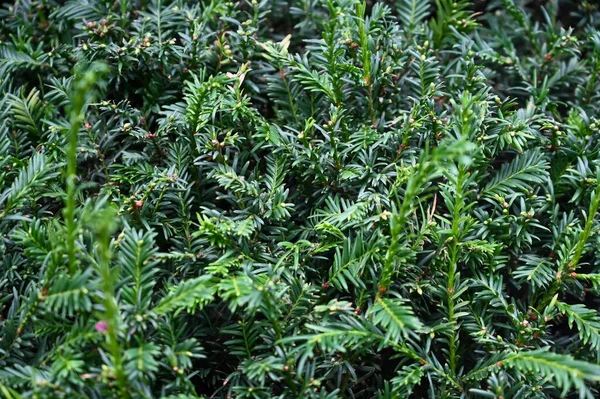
<point>415,183</point>
<point>587,230</point>
<point>579,249</point>
<point>111,309</point>
<point>450,299</point>
<point>454,250</point>
<point>81,92</point>
<point>69,212</point>
<point>366,58</point>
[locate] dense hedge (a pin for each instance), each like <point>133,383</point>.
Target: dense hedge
<point>299,199</point>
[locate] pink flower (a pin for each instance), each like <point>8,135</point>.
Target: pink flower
<point>102,326</point>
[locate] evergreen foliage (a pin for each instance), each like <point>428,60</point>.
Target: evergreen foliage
<point>299,199</point>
